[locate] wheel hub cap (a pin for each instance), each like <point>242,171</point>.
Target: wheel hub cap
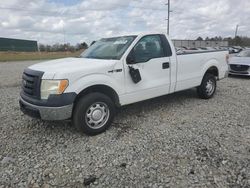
<point>97,115</point>
<point>210,87</point>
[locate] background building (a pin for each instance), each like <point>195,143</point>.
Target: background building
<point>197,43</point>
<point>17,45</point>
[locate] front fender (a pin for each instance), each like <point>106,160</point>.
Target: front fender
<point>91,80</point>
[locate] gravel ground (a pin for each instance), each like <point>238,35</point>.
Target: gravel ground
<point>172,141</point>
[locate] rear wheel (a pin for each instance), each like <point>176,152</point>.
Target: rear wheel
<point>93,113</point>
<point>208,86</point>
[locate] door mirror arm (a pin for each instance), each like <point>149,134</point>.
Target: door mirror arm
<point>130,58</point>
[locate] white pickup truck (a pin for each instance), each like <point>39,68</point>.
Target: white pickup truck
<point>114,72</point>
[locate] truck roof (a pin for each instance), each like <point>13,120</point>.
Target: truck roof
<point>136,33</point>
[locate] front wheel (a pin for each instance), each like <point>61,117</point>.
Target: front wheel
<point>208,86</point>
<point>93,113</point>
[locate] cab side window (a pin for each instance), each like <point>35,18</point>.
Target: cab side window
<point>149,47</point>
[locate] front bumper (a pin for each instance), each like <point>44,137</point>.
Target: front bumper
<point>245,73</point>
<point>45,112</point>
<point>56,107</point>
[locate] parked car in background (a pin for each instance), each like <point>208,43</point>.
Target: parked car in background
<point>238,47</point>
<point>235,49</point>
<point>232,50</point>
<point>223,47</point>
<point>192,48</point>
<point>184,47</point>
<point>240,64</point>
<point>217,48</point>
<point>201,48</point>
<point>179,50</point>
<point>210,48</point>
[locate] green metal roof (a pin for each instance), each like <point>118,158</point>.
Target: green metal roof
<point>8,44</point>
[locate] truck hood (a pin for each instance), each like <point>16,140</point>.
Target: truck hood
<point>240,60</point>
<point>73,65</point>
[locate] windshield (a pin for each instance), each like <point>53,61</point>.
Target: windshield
<point>108,48</point>
<point>245,53</point>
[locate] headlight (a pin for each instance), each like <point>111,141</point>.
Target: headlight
<point>49,87</point>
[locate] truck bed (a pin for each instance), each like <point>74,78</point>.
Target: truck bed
<point>192,66</point>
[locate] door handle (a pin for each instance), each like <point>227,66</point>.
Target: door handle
<point>165,65</point>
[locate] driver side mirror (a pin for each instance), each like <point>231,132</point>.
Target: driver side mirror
<point>131,59</point>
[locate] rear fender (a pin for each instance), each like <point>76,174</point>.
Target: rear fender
<point>209,64</point>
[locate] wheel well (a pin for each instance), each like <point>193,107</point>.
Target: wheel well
<point>100,89</point>
<point>214,71</point>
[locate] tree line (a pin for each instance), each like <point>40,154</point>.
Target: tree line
<point>62,47</point>
<point>238,40</point>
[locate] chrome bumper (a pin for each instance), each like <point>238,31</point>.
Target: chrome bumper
<point>46,113</point>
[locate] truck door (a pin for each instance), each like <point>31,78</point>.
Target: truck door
<point>151,57</point>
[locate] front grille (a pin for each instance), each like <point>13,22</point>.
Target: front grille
<point>29,84</point>
<point>31,81</point>
<point>239,68</point>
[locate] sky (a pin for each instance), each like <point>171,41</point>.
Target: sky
<point>75,21</point>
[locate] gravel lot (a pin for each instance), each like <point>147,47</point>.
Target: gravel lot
<point>172,141</point>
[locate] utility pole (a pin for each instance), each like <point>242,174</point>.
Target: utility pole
<point>64,42</point>
<point>63,33</point>
<point>236,30</point>
<point>168,15</point>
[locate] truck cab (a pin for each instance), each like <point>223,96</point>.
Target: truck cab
<point>114,72</point>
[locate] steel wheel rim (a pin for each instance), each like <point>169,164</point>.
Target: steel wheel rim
<point>97,115</point>
<point>210,86</point>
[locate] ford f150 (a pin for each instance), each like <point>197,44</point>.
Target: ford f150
<point>114,72</point>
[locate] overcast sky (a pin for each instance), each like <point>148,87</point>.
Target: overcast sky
<point>74,21</point>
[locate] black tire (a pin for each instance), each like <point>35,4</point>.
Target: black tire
<point>88,109</point>
<point>206,91</point>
